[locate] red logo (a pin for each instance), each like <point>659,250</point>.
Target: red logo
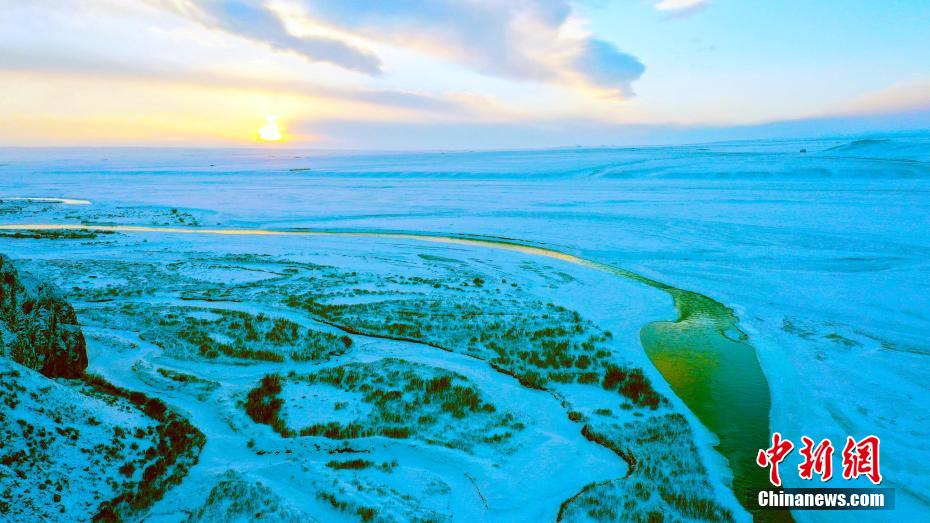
<point>859,458</point>
<point>773,456</point>
<point>819,460</point>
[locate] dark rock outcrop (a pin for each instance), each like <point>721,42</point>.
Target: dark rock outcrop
<point>38,328</point>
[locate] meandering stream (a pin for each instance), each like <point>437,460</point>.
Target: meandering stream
<point>703,355</point>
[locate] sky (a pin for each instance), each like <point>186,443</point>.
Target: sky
<point>457,74</point>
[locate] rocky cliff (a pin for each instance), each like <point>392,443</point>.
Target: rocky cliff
<point>38,328</point>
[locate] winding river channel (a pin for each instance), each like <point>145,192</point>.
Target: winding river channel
<point>702,354</point>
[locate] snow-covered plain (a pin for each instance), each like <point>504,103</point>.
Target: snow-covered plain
<point>822,255</point>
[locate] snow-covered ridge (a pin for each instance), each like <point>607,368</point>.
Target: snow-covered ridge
<point>74,446</point>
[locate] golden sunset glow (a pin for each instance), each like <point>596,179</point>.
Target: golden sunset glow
<point>360,75</point>
<point>270,132</point>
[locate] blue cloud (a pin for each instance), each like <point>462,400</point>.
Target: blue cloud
<point>605,65</point>
<point>522,40</point>
<point>253,20</point>
<point>494,38</point>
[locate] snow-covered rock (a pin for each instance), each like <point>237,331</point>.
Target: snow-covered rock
<point>38,328</point>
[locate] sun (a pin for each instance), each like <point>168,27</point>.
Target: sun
<point>270,132</point>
